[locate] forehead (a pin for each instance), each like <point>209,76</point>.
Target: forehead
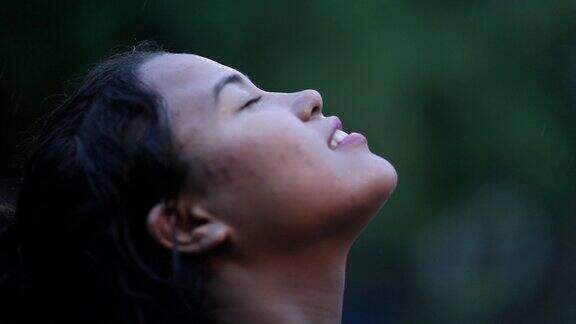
<point>183,79</point>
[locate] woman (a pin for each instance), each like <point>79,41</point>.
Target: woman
<point>169,188</point>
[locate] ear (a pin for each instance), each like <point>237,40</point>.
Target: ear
<point>187,228</point>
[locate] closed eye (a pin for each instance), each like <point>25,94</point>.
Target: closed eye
<point>250,102</point>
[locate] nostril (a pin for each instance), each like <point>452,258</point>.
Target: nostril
<point>315,111</point>
<point>308,104</point>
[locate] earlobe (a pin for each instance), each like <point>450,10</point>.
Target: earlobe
<point>189,230</point>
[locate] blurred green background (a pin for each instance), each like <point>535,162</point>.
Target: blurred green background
<point>473,102</point>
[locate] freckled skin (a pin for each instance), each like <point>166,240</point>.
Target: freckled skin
<point>294,204</point>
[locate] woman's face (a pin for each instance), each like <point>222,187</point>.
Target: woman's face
<point>264,159</point>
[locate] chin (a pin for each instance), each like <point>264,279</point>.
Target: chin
<point>381,182</point>
<point>372,189</point>
<point>389,178</point>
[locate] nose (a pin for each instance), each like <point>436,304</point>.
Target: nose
<point>308,104</point>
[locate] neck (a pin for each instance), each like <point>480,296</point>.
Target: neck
<point>296,289</point>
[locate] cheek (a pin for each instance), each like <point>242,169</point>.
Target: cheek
<point>224,169</point>
<point>266,159</point>
<point>263,145</point>
<point>273,171</point>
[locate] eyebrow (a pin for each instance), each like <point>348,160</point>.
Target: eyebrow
<point>233,78</point>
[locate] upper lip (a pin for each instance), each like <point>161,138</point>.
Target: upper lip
<point>335,124</point>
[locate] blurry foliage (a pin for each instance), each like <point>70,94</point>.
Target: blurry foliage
<point>472,101</point>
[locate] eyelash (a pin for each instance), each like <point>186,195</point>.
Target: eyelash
<point>250,102</point>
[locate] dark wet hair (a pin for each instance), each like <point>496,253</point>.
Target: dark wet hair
<point>79,249</point>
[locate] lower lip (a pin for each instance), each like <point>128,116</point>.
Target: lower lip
<point>352,139</point>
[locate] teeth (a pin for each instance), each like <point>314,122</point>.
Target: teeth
<point>337,138</point>
<point>333,143</point>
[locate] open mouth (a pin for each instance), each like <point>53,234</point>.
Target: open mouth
<point>338,137</point>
